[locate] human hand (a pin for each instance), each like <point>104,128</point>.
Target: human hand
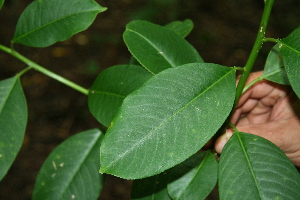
<point>271,111</point>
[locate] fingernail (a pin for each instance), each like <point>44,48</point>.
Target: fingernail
<point>228,133</point>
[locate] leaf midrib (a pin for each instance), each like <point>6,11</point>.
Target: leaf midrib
<point>52,22</point>
<point>155,46</point>
<point>249,163</point>
<point>108,93</point>
<point>196,173</point>
<point>290,47</point>
<point>80,164</point>
<point>164,122</point>
<point>8,94</point>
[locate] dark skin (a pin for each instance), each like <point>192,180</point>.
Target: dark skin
<point>271,111</point>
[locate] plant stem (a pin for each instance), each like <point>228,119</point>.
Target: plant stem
<point>264,76</point>
<point>252,83</point>
<point>24,71</point>
<point>260,38</point>
<point>271,40</point>
<point>233,127</point>
<point>43,70</point>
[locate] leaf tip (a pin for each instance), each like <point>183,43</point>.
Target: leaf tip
<point>102,170</point>
<point>103,9</point>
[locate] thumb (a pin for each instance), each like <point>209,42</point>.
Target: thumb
<point>262,130</point>
<point>222,140</point>
<point>270,131</point>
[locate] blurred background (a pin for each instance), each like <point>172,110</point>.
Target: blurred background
<point>224,33</point>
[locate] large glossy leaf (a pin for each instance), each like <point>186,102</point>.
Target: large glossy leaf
<point>195,178</point>
<point>252,167</point>
<point>154,187</point>
<point>45,22</point>
<point>71,170</point>
<point>13,120</point>
<point>290,51</point>
<point>111,87</point>
<point>167,120</point>
<point>158,48</point>
<point>181,28</point>
<point>274,69</point>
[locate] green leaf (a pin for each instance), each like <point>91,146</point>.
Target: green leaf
<point>154,187</point>
<point>167,120</point>
<point>13,120</point>
<point>110,89</point>
<point>157,48</point>
<point>195,178</point>
<point>290,51</point>
<point>45,22</point>
<point>181,28</point>
<point>274,69</point>
<point>252,167</point>
<point>1,3</point>
<point>71,170</point>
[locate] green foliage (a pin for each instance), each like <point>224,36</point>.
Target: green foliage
<point>159,113</point>
<point>274,68</point>
<point>164,122</point>
<point>195,178</point>
<point>13,119</point>
<point>181,28</point>
<point>110,89</point>
<point>46,22</point>
<point>154,187</point>
<point>158,48</point>
<point>290,51</point>
<point>1,3</point>
<point>71,170</point>
<point>265,169</point>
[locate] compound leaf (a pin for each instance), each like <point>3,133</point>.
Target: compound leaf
<point>45,22</point>
<point>157,48</point>
<point>290,51</point>
<point>168,119</point>
<point>71,170</point>
<point>195,178</point>
<point>252,167</point>
<point>13,120</point>
<point>110,89</point>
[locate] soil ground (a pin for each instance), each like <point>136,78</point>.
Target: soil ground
<point>224,33</point>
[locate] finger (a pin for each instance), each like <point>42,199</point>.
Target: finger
<point>259,99</point>
<point>257,91</point>
<point>280,132</point>
<point>263,130</point>
<point>284,133</point>
<point>222,140</point>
